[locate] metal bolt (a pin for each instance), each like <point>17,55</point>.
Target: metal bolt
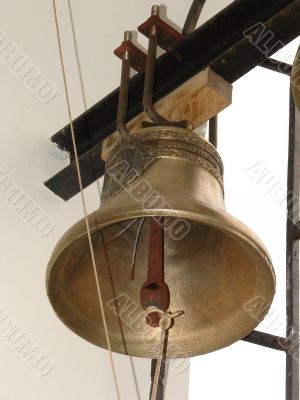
<point>155,10</point>
<point>127,35</point>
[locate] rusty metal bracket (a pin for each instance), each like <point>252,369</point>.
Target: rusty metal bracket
<point>167,36</point>
<point>138,58</point>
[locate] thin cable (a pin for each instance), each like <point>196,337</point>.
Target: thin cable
<point>158,364</point>
<point>121,232</point>
<point>136,242</point>
<point>165,323</point>
<point>84,204</point>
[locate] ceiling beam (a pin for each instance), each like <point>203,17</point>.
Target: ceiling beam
<point>232,43</point>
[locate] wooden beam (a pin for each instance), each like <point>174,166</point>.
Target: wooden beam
<point>197,100</point>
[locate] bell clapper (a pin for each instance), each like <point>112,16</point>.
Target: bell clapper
<point>155,292</point>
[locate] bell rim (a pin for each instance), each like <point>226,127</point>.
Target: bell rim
<point>252,238</point>
<point>244,233</point>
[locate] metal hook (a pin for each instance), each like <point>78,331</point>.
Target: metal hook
<point>149,79</point>
<point>124,89</point>
<point>149,75</point>
<point>193,16</point>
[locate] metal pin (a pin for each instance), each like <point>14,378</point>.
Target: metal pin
<point>149,81</point>
<point>124,89</point>
<point>155,10</point>
<point>150,74</point>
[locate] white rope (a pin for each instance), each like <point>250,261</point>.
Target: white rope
<point>165,323</point>
<point>84,205</point>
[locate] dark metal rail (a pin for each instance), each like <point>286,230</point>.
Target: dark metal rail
<point>267,340</point>
<point>292,255</point>
<point>297,231</point>
<point>277,66</point>
<point>221,43</point>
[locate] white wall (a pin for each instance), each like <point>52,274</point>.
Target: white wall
<point>27,157</point>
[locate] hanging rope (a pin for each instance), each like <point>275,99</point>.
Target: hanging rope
<point>165,323</point>
<point>99,294</point>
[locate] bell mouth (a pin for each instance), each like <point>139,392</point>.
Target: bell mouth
<point>215,273</point>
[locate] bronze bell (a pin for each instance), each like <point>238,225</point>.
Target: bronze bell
<point>213,264</point>
<point>163,238</point>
